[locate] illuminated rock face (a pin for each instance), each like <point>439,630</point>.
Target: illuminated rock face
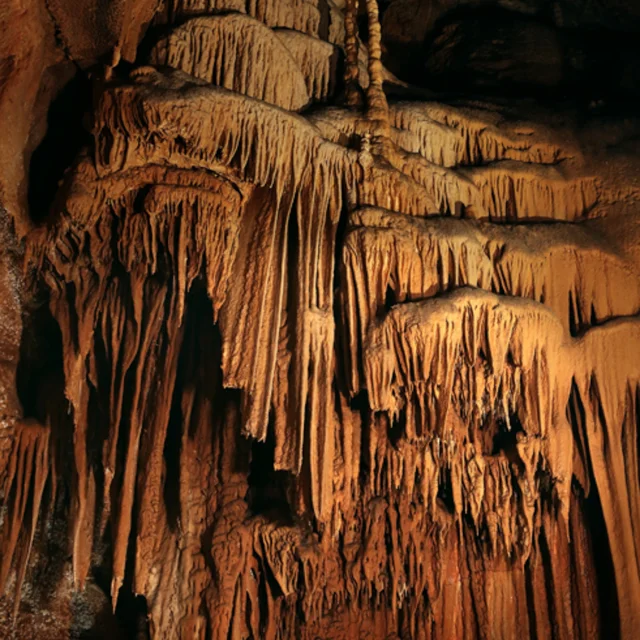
<point>295,368</point>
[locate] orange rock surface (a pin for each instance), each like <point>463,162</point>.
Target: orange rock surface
<point>295,349</point>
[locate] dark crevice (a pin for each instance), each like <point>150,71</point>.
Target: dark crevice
<point>64,139</point>
<point>505,439</point>
<point>604,570</point>
<point>132,615</point>
<point>445,493</point>
<point>267,493</point>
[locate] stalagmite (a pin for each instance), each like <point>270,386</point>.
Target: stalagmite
<point>299,349</point>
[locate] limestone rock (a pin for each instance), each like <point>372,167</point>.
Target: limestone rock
<point>300,350</point>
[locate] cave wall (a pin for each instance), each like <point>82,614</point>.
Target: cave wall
<point>294,348</point>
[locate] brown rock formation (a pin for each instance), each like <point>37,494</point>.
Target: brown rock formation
<point>291,357</point>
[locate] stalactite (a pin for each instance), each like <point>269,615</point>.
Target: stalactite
<point>377,107</point>
<point>467,136</point>
<point>238,53</point>
<point>517,191</point>
<point>317,60</point>
<point>10,334</point>
<point>351,72</point>
<point>27,474</point>
<point>571,270</point>
<point>300,15</point>
<point>367,371</point>
<point>609,394</point>
<point>184,227</point>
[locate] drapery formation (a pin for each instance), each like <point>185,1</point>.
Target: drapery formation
<point>366,371</point>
